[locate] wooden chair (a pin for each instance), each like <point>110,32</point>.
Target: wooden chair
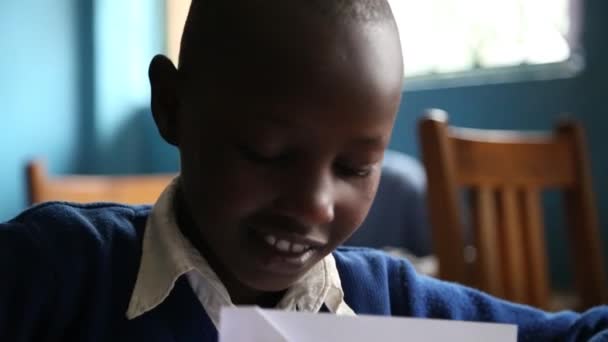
<point>504,173</point>
<point>135,189</point>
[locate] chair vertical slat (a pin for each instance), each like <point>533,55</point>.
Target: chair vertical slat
<point>511,245</point>
<point>447,228</point>
<point>534,245</point>
<point>583,224</point>
<point>486,241</point>
<point>588,275</point>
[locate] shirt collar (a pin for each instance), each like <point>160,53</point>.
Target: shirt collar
<point>167,255</point>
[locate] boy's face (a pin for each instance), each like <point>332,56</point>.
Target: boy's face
<point>281,144</point>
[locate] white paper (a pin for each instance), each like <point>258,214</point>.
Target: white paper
<point>252,324</point>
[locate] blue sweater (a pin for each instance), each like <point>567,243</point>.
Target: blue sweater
<point>67,272</point>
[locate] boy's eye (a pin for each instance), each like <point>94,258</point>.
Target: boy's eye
<point>354,171</point>
<point>258,156</point>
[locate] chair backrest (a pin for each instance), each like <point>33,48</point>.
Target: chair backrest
<point>132,189</point>
<point>504,173</point>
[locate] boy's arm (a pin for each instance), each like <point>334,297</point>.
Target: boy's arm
<point>428,297</point>
<point>25,282</point>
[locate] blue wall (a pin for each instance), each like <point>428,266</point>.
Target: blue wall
<point>127,34</point>
<point>38,91</point>
<point>72,87</point>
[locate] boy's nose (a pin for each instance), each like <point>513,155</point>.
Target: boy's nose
<point>309,199</point>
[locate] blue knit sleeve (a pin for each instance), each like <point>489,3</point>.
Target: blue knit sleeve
<point>26,277</point>
<point>67,271</point>
<point>375,283</point>
<point>423,296</point>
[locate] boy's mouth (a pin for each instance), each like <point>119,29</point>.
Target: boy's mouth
<point>286,248</point>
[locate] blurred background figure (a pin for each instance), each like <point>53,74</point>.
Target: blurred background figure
<point>398,217</point>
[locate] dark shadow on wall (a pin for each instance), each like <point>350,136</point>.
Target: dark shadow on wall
<point>138,148</point>
<point>84,157</point>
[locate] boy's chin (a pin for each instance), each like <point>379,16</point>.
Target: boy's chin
<point>265,281</point>
<point>270,282</point>
<point>270,285</point>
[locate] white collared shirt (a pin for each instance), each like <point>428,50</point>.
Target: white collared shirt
<point>168,255</point>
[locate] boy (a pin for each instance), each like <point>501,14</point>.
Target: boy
<point>274,177</point>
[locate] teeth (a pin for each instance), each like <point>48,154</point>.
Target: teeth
<point>297,248</point>
<point>270,239</point>
<point>283,245</point>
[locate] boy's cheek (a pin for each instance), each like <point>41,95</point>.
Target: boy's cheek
<point>354,201</point>
<point>348,222</point>
<point>350,213</point>
<point>235,197</point>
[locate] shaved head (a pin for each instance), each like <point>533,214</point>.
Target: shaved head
<point>213,23</point>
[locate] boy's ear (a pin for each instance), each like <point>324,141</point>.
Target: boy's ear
<point>163,82</point>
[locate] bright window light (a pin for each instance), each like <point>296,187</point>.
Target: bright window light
<point>445,36</point>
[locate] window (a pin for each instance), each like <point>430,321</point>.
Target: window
<point>455,37</point>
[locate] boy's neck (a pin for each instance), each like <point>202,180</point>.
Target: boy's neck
<point>262,299</point>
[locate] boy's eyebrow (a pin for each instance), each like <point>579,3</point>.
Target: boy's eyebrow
<point>281,120</point>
